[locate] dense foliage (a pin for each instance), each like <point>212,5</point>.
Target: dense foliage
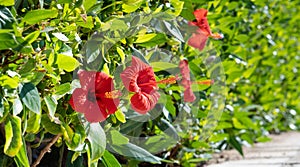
<point>245,85</point>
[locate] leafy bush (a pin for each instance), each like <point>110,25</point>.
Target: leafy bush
<point>187,102</point>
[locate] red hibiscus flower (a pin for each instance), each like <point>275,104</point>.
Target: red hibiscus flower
<point>188,94</point>
<point>139,78</point>
<point>199,38</point>
<point>96,97</point>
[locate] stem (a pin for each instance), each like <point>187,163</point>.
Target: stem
<point>45,150</point>
<point>110,5</point>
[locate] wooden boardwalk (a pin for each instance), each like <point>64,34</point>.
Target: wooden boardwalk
<point>282,151</point>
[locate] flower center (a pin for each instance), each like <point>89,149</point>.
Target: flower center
<point>109,95</point>
<point>91,96</point>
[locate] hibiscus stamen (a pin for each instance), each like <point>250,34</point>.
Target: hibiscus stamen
<point>170,80</point>
<point>204,82</point>
<point>217,36</point>
<point>113,94</point>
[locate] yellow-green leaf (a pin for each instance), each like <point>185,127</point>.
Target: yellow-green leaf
<point>67,63</point>
<point>13,136</point>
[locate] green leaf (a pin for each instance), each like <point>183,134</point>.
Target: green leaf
<point>6,18</point>
<point>30,97</point>
<point>130,7</point>
<point>120,116</point>
<point>132,151</point>
<point>32,37</point>
<point>7,81</point>
<point>117,138</point>
<point>17,106</point>
<point>36,16</point>
<point>151,40</point>
<point>173,30</point>
<point>33,123</point>
<point>236,145</point>
<point>145,38</point>
<point>61,36</point>
<point>109,160</point>
<point>67,63</point>
<point>1,106</point>
<point>87,4</point>
<point>63,89</point>
<point>21,158</point>
<point>51,105</point>
<point>121,54</point>
<point>242,37</point>
<point>177,7</point>
<point>263,139</point>
<point>7,2</point>
<point>49,126</point>
<point>13,136</point>
<point>7,41</point>
<point>160,66</point>
<point>97,139</point>
<point>88,23</point>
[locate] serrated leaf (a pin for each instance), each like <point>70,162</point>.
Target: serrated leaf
<point>67,63</point>
<point>30,97</point>
<point>36,16</point>
<point>13,136</point>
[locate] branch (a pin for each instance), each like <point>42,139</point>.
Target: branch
<point>45,150</point>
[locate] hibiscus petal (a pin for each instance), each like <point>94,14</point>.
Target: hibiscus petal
<point>143,102</point>
<point>188,95</point>
<point>111,105</point>
<point>94,113</point>
<point>202,23</point>
<point>87,79</point>
<point>146,80</point>
<point>198,40</point>
<point>129,77</point>
<point>140,103</point>
<point>103,83</point>
<point>138,76</point>
<point>79,100</point>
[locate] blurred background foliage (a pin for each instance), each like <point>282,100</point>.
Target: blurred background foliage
<point>41,43</point>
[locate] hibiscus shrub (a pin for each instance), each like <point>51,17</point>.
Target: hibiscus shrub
<point>112,83</point>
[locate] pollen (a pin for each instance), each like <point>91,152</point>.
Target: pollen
<point>113,94</point>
